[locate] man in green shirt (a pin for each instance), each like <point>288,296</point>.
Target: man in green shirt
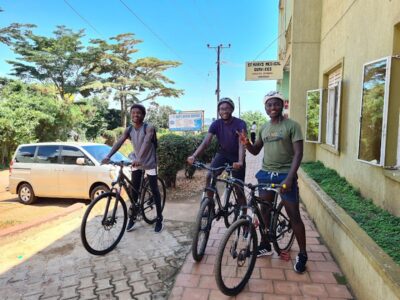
<point>282,140</point>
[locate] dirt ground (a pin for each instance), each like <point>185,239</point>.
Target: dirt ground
<point>14,213</point>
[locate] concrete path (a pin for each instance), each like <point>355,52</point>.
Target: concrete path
<point>272,277</point>
<point>50,263</point>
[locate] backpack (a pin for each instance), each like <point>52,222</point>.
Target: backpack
<point>153,140</point>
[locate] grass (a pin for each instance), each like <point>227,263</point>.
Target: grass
<point>379,224</point>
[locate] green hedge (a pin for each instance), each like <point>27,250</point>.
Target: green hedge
<point>379,224</point>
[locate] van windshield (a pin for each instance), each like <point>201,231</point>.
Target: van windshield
<point>99,152</point>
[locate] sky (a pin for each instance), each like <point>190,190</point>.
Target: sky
<point>172,30</point>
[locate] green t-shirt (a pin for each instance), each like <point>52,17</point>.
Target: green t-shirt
<point>278,142</point>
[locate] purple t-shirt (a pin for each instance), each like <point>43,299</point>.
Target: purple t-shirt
<point>228,142</point>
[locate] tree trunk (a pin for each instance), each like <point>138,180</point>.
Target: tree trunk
<point>123,110</point>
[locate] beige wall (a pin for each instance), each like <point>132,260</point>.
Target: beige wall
<point>352,32</point>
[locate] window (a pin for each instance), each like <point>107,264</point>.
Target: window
<point>313,123</point>
<point>70,154</point>
<point>47,154</point>
<point>333,108</point>
<point>374,108</point>
<point>25,154</point>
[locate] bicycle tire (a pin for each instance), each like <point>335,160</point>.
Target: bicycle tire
<point>92,222</point>
<point>226,270</point>
<point>282,230</point>
<point>232,207</point>
<point>202,228</point>
<point>147,204</point>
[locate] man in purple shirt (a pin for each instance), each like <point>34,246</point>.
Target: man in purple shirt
<point>230,150</point>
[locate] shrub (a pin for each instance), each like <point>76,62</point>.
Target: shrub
<point>110,137</point>
<point>172,152</point>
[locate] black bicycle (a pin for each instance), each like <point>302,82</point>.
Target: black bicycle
<point>104,221</point>
<point>237,252</point>
<point>211,209</point>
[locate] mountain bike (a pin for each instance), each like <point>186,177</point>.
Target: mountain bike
<point>211,209</point>
<point>237,252</point>
<point>104,221</point>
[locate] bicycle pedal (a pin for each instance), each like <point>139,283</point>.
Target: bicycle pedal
<point>285,255</point>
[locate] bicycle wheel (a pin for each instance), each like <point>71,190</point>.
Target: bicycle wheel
<point>101,230</point>
<point>147,204</point>
<point>202,228</point>
<point>236,258</point>
<point>231,206</point>
<point>282,229</point>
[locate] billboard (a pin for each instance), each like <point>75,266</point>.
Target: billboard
<point>264,70</point>
<point>187,121</point>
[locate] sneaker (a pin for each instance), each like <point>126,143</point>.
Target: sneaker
<point>159,226</point>
<point>264,250</point>
<point>131,224</point>
<point>300,265</point>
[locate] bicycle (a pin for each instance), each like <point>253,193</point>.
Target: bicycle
<point>105,219</point>
<point>237,253</point>
<point>229,209</point>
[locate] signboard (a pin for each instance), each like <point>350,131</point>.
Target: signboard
<point>264,70</point>
<point>187,121</point>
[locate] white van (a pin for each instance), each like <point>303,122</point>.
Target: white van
<point>61,170</point>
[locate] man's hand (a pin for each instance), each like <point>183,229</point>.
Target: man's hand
<point>237,165</point>
<point>105,160</point>
<point>244,140</point>
<point>136,163</point>
<point>287,185</point>
<point>190,160</point>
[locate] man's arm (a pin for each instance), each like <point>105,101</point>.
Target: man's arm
<point>206,142</point>
<point>298,156</point>
<point>253,149</point>
<point>117,145</point>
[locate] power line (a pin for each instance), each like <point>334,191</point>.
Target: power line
<point>269,45</point>
<point>80,16</point>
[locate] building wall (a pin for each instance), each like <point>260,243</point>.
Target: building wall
<point>351,32</point>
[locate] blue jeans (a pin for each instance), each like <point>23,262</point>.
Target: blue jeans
<point>275,177</point>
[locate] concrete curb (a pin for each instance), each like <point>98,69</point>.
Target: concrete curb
<point>22,227</point>
<point>371,273</point>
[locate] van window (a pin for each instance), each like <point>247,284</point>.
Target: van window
<point>47,154</point>
<point>70,154</point>
<point>25,154</point>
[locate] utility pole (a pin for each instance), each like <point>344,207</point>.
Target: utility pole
<point>219,47</point>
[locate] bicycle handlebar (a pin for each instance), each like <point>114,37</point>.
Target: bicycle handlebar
<point>121,163</point>
<point>197,164</point>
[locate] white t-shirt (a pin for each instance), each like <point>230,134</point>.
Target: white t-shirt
<point>253,128</point>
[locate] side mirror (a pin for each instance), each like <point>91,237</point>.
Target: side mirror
<point>80,161</point>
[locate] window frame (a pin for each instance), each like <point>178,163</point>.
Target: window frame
<point>384,113</point>
<point>320,116</point>
<point>336,118</point>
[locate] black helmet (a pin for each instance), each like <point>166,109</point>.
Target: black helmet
<point>139,106</point>
<point>226,100</point>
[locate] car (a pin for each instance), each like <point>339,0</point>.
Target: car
<point>61,170</point>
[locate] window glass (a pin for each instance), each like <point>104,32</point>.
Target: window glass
<point>25,154</point>
<point>70,154</point>
<point>313,125</point>
<point>47,154</point>
<point>373,115</point>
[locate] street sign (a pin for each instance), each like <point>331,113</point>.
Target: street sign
<point>187,121</point>
<point>264,70</point>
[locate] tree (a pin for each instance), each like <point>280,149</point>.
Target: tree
<point>159,115</point>
<point>14,32</point>
<point>126,80</point>
<point>253,116</point>
<point>60,60</point>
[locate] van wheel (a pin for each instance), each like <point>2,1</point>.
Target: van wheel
<point>98,190</point>
<point>26,194</point>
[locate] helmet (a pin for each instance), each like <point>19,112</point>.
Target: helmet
<point>139,106</point>
<point>226,100</point>
<point>273,95</point>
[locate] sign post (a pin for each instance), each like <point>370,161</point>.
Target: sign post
<point>187,121</point>
<point>264,70</point>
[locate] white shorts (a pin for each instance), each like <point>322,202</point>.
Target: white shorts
<point>151,172</point>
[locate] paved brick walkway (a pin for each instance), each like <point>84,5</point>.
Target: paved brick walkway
<point>272,277</point>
